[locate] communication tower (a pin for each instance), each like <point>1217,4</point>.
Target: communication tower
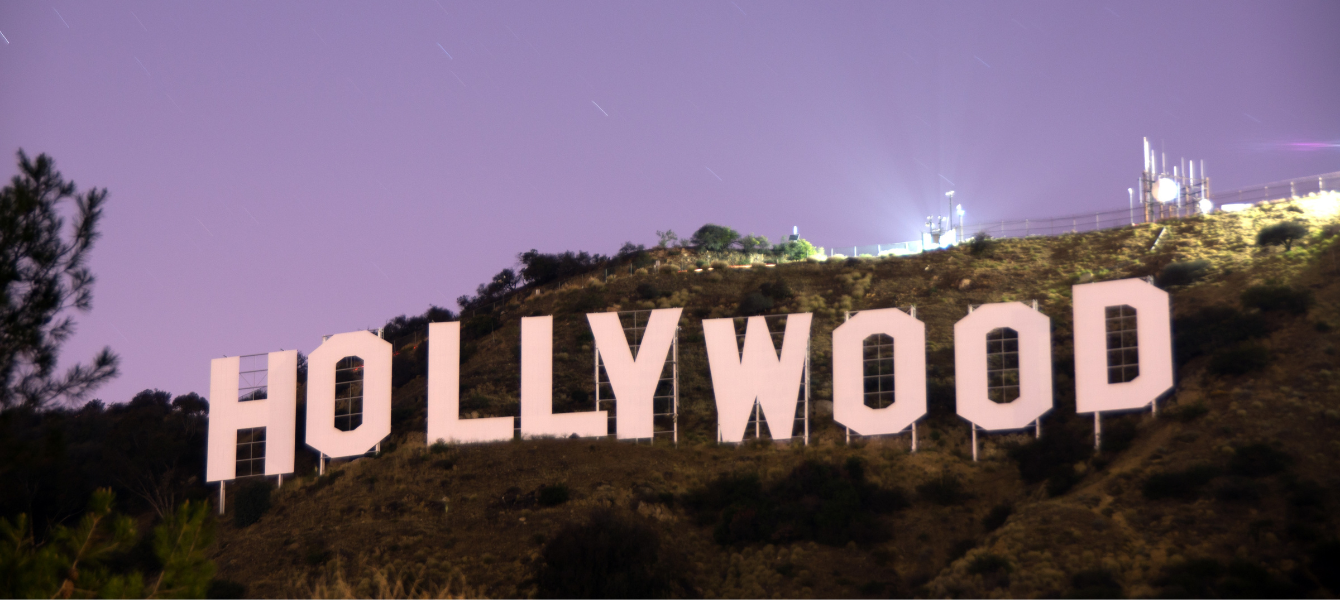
<point>1176,194</point>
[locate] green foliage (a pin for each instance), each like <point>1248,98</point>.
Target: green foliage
<point>1281,234</point>
<point>250,502</point>
<point>666,239</point>
<point>553,495</point>
<point>43,277</point>
<point>754,243</point>
<point>714,238</point>
<point>610,555</point>
<point>796,250</point>
<point>1258,460</point>
<point>78,561</point>
<point>1182,273</point>
<point>815,501</point>
<point>1281,298</point>
<point>1184,484</point>
<point>944,490</point>
<point>1240,360</point>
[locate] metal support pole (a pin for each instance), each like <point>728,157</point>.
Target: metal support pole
<point>321,463</point>
<point>675,370</point>
<point>807,393</point>
<point>1038,425</point>
<point>974,441</point>
<point>914,436</point>
<point>222,484</point>
<point>281,481</point>
<point>1097,431</point>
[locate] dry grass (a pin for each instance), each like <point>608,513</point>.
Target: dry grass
<point>390,581</point>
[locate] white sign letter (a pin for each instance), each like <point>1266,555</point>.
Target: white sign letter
<point>1123,360</point>
<point>909,358</point>
<point>367,395</point>
<point>737,381</point>
<point>277,413</point>
<point>537,388</point>
<point>444,393</point>
<point>634,379</point>
<point>1018,388</point>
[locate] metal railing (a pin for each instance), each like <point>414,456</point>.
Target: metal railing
<point>1132,215</point>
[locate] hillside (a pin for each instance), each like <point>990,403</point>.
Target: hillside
<point>1230,490</point>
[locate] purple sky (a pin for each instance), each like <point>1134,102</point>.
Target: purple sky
<point>280,171</point>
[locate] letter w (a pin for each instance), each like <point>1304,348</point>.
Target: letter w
<point>757,374</point>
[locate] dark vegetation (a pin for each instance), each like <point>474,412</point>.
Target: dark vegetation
<point>611,554</point>
<point>1182,273</point>
<point>817,501</point>
<point>1281,234</point>
<point>250,501</point>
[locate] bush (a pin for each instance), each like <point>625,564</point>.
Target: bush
<point>1064,443</point>
<point>1188,412</point>
<point>225,588</point>
<point>777,290</point>
<point>1118,434</point>
<point>648,291</point>
<point>981,242</point>
<point>553,495</point>
<point>796,250</point>
<point>755,304</point>
<point>988,563</point>
<point>944,490</point>
<point>610,555</point>
<point>1208,578</point>
<point>1238,489</point>
<point>1258,460</point>
<point>1183,485</point>
<point>1095,583</point>
<point>1282,298</point>
<point>997,517</point>
<point>815,501</point>
<point>250,502</point>
<point>1182,273</point>
<point>1240,360</point>
<point>1215,327</point>
<point>1281,234</point>
<point>714,238</point>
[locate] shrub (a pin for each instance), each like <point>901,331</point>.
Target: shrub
<point>225,588</point>
<point>1118,434</point>
<point>755,304</point>
<point>648,291</point>
<point>1240,360</point>
<point>250,502</point>
<point>753,243</point>
<point>1214,327</point>
<point>815,501</point>
<point>981,242</point>
<point>553,495</point>
<point>1208,578</point>
<point>1095,583</point>
<point>1282,298</point>
<point>1281,234</point>
<point>610,555</point>
<point>714,238</point>
<point>997,517</point>
<point>1182,485</point>
<point>1258,460</point>
<point>777,290</point>
<point>796,250</point>
<point>1188,412</point>
<point>988,563</point>
<point>1237,489</point>
<point>1182,273</point>
<point>944,490</point>
<point>1064,443</point>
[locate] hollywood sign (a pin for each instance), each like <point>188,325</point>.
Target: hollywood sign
<point>1123,361</point>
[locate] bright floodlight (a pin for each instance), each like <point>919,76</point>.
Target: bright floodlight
<point>1206,207</point>
<point>1166,190</point>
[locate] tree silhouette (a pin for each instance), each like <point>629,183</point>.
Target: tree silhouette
<point>43,276</point>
